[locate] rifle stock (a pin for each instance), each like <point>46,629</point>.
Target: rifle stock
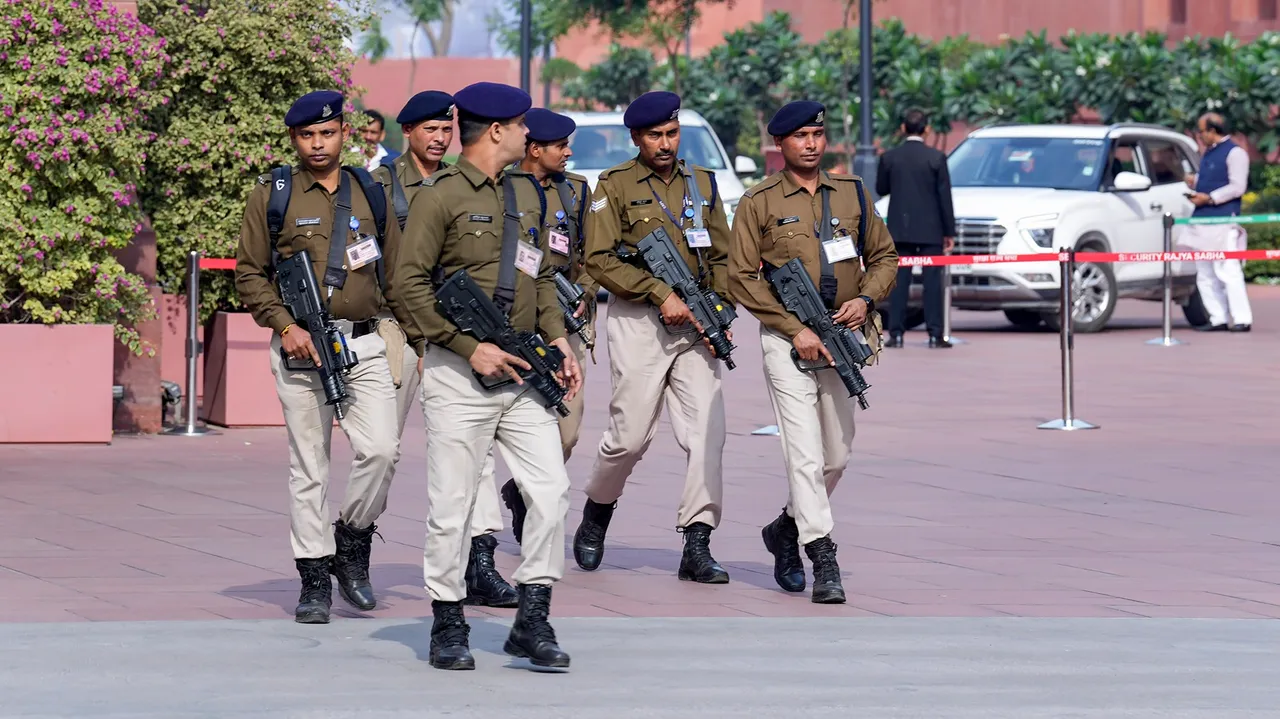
<point>464,304</point>
<point>300,293</point>
<point>663,260</point>
<point>848,348</point>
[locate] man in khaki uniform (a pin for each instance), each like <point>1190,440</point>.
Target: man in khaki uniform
<point>427,122</point>
<point>463,223</point>
<point>782,218</point>
<point>564,195</point>
<point>652,364</point>
<point>325,205</point>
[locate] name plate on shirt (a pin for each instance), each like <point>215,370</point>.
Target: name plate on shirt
<point>559,242</point>
<point>362,253</point>
<point>698,238</point>
<point>840,249</point>
<point>528,259</point>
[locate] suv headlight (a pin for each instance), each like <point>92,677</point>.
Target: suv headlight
<point>1039,229</point>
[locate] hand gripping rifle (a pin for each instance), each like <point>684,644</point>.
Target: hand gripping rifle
<point>848,347</point>
<point>464,304</point>
<point>570,295</point>
<point>665,263</point>
<point>300,293</point>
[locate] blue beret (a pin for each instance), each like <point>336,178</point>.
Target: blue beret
<point>547,126</point>
<point>652,108</point>
<point>313,107</point>
<point>795,115</point>
<point>492,100</point>
<point>426,105</point>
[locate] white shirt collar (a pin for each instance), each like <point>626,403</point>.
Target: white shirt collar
<point>915,138</point>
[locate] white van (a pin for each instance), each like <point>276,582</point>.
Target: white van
<point>602,141</point>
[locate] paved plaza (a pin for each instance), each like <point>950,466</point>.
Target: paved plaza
<point>993,569</point>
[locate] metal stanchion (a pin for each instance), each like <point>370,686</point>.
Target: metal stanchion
<point>191,429</point>
<point>1167,339</point>
<point>1068,420</point>
<point>946,307</point>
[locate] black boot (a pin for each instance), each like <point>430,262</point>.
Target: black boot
<point>515,502</point>
<point>316,597</point>
<point>449,635</point>
<point>351,564</point>
<point>782,539</point>
<point>588,541</point>
<point>697,564</point>
<point>827,588</point>
<point>485,586</point>
<point>531,635</point>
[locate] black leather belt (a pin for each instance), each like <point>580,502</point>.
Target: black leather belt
<point>364,327</point>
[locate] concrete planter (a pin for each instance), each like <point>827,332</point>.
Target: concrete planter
<point>56,384</point>
<point>240,390</point>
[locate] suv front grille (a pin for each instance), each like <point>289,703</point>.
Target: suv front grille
<point>978,236</point>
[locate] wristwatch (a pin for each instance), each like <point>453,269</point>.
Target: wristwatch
<point>871,304</point>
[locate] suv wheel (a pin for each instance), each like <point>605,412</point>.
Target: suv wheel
<point>1194,311</point>
<point>1093,290</point>
<point>1025,319</point>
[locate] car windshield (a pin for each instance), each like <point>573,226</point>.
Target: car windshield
<point>599,147</point>
<point>1060,163</point>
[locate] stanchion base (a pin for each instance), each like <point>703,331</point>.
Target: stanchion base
<point>1166,341</point>
<point>181,431</point>
<point>1073,424</point>
<point>955,340</point>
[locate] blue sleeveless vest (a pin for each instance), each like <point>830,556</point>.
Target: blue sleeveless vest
<point>1213,174</point>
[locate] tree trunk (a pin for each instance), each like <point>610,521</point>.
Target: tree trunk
<point>546,86</point>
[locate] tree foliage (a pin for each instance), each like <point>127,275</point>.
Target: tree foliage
<point>76,79</point>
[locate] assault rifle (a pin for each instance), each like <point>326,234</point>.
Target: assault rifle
<point>848,347</point>
<point>464,304</point>
<point>300,293</point>
<point>570,295</point>
<point>664,262</point>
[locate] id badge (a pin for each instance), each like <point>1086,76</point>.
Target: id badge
<point>559,243</point>
<point>698,238</point>
<point>528,259</point>
<point>362,253</point>
<point>840,249</point>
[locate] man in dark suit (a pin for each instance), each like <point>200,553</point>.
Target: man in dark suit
<point>921,220</point>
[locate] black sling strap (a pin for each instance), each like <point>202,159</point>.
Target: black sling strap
<point>828,286</point>
<point>398,199</point>
<point>699,221</point>
<point>277,206</point>
<point>571,217</point>
<point>504,296</point>
<point>334,275</point>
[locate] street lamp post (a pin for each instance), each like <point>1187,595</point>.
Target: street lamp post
<point>526,43</point>
<point>864,163</point>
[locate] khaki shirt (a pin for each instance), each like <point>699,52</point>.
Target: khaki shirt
<point>411,179</point>
<point>624,208</point>
<point>307,226</point>
<point>777,220</point>
<point>458,225</point>
<point>580,191</point>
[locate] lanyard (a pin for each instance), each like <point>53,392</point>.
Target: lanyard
<point>688,212</point>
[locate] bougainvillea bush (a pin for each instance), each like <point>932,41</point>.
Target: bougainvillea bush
<point>239,65</point>
<point>76,79</point>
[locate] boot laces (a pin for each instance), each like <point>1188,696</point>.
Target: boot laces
<point>697,546</point>
<point>451,629</point>
<point>354,553</point>
<point>536,622</point>
<point>825,567</point>
<point>315,583</point>
<point>789,537</point>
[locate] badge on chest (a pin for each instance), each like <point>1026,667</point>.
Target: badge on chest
<point>364,251</point>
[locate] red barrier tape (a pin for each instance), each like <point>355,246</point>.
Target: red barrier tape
<point>209,263</point>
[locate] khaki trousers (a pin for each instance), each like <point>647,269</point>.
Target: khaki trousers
<point>464,421</point>
<point>815,423</point>
<point>369,424</point>
<point>650,367</point>
<point>487,518</point>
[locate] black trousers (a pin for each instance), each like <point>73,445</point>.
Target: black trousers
<point>932,291</point>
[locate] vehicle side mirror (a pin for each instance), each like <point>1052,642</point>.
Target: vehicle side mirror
<point>743,165</point>
<point>1130,182</point>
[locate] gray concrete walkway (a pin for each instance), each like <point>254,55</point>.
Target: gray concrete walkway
<point>872,668</point>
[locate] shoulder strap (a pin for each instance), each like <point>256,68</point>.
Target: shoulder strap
<point>542,201</point>
<point>378,205</point>
<point>334,274</point>
<point>398,199</point>
<point>504,295</point>
<point>862,217</point>
<point>827,287</point>
<point>278,205</point>
<point>699,212</point>
<point>571,217</point>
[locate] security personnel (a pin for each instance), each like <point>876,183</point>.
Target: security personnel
<point>320,195</point>
<point>828,222</point>
<point>427,122</point>
<point>564,195</point>
<point>652,364</point>
<point>462,223</point>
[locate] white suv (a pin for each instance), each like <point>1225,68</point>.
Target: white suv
<point>602,141</point>
<point>1025,189</point>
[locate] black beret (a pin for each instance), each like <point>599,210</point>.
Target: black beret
<point>547,126</point>
<point>652,108</point>
<point>795,115</point>
<point>492,101</point>
<point>313,107</point>
<point>426,105</point>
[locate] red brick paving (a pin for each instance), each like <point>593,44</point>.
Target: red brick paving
<point>955,505</point>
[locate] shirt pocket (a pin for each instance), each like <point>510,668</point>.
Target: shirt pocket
<point>788,241</point>
<point>641,219</point>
